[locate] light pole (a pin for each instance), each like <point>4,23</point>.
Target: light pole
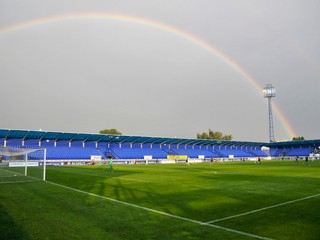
<point>270,92</point>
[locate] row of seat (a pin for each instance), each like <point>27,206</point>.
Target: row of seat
<point>77,151</point>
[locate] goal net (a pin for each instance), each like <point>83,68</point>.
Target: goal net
<point>22,164</point>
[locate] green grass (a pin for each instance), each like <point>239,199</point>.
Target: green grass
<point>196,192</point>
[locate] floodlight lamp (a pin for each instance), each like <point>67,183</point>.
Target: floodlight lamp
<point>269,91</point>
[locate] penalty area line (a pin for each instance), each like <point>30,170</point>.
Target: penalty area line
<point>161,213</point>
<point>31,181</point>
<point>262,209</point>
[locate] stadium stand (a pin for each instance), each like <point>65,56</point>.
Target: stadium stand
<point>234,152</point>
<point>298,152</point>
<point>257,152</point>
<point>139,153</point>
<point>61,145</point>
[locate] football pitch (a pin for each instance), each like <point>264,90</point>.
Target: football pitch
<point>231,200</point>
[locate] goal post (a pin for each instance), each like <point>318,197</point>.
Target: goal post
<point>44,163</point>
<point>17,160</point>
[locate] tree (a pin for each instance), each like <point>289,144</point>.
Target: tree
<point>214,135</point>
<point>298,138</point>
<point>110,131</point>
<point>202,136</point>
<point>227,137</point>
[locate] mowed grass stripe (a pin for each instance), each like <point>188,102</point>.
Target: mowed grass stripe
<point>203,194</point>
<point>46,211</point>
<point>163,213</point>
<point>263,209</point>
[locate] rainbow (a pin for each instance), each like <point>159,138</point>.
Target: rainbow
<point>158,25</point>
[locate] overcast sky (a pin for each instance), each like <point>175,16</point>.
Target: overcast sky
<point>84,75</point>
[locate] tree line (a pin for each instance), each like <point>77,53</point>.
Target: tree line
<point>110,131</point>
<point>214,135</point>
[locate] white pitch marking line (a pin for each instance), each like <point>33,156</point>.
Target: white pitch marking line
<point>11,172</point>
<point>162,213</point>
<point>262,209</point>
<point>19,174</point>
<point>8,176</point>
<point>18,182</point>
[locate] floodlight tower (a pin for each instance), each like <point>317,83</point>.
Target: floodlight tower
<point>270,92</point>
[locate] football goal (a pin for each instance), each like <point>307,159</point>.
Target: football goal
<point>19,164</point>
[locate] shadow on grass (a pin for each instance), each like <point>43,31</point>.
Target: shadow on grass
<point>8,228</point>
<point>204,196</point>
<point>70,176</point>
